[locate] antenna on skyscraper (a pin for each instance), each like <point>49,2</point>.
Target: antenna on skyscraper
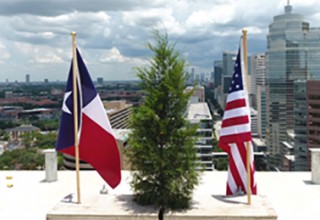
<point>288,8</point>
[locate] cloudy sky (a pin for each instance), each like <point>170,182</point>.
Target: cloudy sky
<point>112,34</point>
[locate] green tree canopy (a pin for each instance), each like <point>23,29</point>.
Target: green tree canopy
<point>22,159</point>
<point>47,125</point>
<point>44,141</point>
<point>162,151</point>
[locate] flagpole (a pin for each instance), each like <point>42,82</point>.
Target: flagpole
<point>245,59</point>
<point>75,111</point>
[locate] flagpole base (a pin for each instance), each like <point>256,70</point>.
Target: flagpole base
<point>122,207</point>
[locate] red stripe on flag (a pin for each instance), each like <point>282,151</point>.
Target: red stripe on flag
<point>253,184</point>
<point>234,138</point>
<point>243,153</point>
<point>235,121</point>
<point>224,146</point>
<point>238,103</point>
<point>229,192</point>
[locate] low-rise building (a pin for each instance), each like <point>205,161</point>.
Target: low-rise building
<point>15,133</point>
<point>198,113</point>
<point>119,114</point>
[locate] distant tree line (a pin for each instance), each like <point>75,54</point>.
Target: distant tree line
<point>30,157</point>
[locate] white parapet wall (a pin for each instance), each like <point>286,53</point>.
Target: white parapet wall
<point>315,165</point>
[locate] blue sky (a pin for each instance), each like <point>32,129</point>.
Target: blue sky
<point>112,35</point>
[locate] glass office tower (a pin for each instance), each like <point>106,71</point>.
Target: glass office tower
<point>292,54</point>
<point>300,111</point>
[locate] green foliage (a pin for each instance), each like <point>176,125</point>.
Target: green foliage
<point>8,124</point>
<point>220,163</point>
<point>21,159</point>
<point>28,138</point>
<point>215,146</point>
<point>60,161</point>
<point>4,135</point>
<point>220,112</point>
<point>275,160</point>
<point>45,141</point>
<point>47,125</point>
<point>161,144</point>
<point>261,163</point>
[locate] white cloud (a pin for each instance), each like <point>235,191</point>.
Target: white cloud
<point>4,54</point>
<point>46,27</point>
<point>47,34</point>
<point>220,14</point>
<point>44,35</point>
<point>48,58</point>
<point>156,18</point>
<point>106,32</point>
<point>40,53</point>
<point>113,34</point>
<point>101,17</point>
<point>114,56</point>
<point>254,30</point>
<point>303,3</point>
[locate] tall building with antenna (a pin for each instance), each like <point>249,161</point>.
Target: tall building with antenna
<point>293,49</point>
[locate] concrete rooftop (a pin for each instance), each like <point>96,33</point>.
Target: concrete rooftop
<point>291,194</point>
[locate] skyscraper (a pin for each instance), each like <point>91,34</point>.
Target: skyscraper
<point>258,71</point>
<point>300,125</point>
<point>292,54</point>
<point>262,110</point>
<point>228,59</point>
<point>313,120</point>
<point>258,82</point>
<point>217,72</point>
<point>27,78</point>
<point>100,80</point>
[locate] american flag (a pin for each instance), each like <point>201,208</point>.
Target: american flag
<point>236,131</point>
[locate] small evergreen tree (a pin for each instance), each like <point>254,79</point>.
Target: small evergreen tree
<point>162,152</point>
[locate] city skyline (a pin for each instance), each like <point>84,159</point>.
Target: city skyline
<point>113,35</point>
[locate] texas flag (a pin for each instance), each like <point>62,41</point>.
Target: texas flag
<point>97,144</point>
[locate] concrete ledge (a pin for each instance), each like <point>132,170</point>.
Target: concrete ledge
<point>204,207</point>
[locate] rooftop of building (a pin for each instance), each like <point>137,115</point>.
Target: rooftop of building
<point>23,128</point>
<point>259,141</point>
<point>36,110</point>
<point>122,134</point>
<point>115,105</point>
<point>198,111</point>
<point>253,112</point>
<point>27,196</point>
<point>288,145</point>
<point>290,157</point>
<point>197,87</point>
